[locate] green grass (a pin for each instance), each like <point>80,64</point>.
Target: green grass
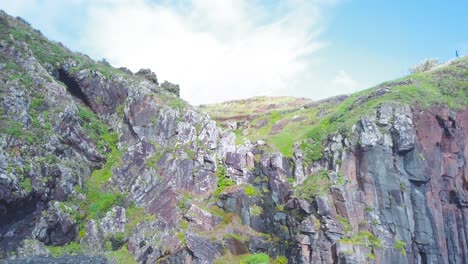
<point>400,245</point>
<point>181,237</point>
<point>256,210</point>
<point>26,185</point>
<point>259,258</point>
<point>12,128</point>
<point>238,110</point>
<point>444,86</point>
<point>314,185</point>
<point>122,256</point>
<point>222,180</point>
<point>347,227</point>
<point>363,238</point>
<point>99,199</point>
<point>136,215</point>
<point>53,53</point>
<point>251,191</point>
<point>71,249</point>
<point>241,238</point>
<point>15,129</point>
<point>96,129</point>
<point>177,103</point>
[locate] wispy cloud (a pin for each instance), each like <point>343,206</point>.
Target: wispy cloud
<point>216,50</point>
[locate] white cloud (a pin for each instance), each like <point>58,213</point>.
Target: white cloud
<point>216,50</point>
<point>344,82</point>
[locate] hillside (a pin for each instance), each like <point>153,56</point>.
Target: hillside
<point>284,124</point>
<point>243,110</point>
<point>103,165</point>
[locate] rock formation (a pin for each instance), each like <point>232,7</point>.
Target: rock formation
<point>97,161</point>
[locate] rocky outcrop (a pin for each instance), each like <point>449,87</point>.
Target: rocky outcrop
<point>398,186</point>
<point>114,163</point>
<point>55,227</point>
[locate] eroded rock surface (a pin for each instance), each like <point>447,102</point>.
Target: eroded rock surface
<point>168,185</point>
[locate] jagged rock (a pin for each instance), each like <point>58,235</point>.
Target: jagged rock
<point>370,135</point>
<point>201,219</point>
<point>305,206</point>
<point>235,246</point>
<point>93,238</point>
<point>398,176</point>
<point>56,227</point>
<point>309,225</point>
<point>202,249</point>
<point>323,207</point>
<point>403,126</point>
<point>30,247</point>
<point>114,221</point>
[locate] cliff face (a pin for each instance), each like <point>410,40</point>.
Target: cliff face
<point>405,171</point>
<point>100,161</point>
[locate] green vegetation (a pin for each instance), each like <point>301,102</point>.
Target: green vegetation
<point>184,225</point>
<point>241,238</point>
<point>314,185</point>
<point>347,252</point>
<point>181,237</point>
<point>96,129</point>
<point>122,256</point>
<point>223,180</point>
<point>363,238</point>
<point>347,227</point>
<point>444,85</point>
<point>340,179</point>
<point>280,208</point>
<point>177,103</point>
<point>280,260</point>
<point>402,186</point>
<point>98,199</point>
<point>259,258</point>
<point>12,128</point>
<point>251,191</point>
<point>400,245</point>
<point>52,53</point>
<point>71,249</point>
<point>238,109</point>
<point>239,137</point>
<point>26,185</point>
<point>256,210</point>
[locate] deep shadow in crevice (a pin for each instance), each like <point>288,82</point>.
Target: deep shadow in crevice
<point>73,87</point>
<point>17,220</point>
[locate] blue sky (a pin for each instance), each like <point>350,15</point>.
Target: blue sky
<point>231,49</point>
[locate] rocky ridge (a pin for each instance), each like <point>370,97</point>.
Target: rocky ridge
<point>101,161</point>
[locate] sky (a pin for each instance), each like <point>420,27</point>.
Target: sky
<point>219,50</point>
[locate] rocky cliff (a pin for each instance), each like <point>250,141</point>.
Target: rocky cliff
<point>102,162</point>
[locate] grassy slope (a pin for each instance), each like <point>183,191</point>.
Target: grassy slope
<point>48,52</point>
<point>447,84</point>
<point>240,110</point>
